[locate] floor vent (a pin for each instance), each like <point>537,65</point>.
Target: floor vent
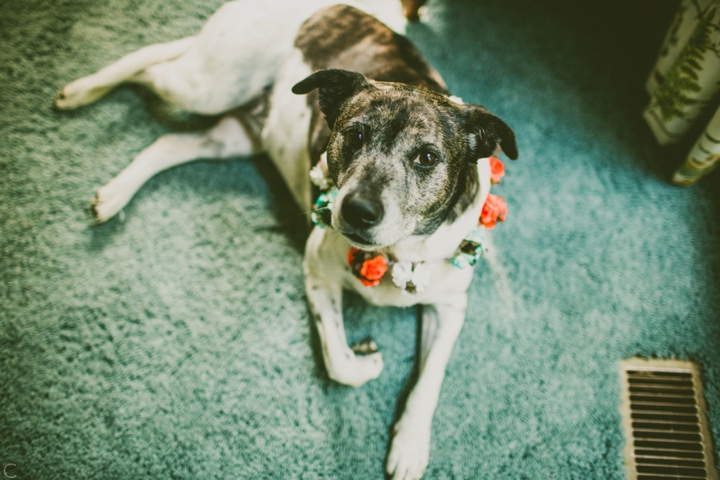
<point>664,420</point>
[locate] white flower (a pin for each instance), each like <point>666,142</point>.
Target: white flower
<point>421,277</point>
<point>402,273</point>
<point>320,175</point>
<point>318,178</point>
<point>411,277</point>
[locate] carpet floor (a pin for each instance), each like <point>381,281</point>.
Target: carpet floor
<point>176,342</point>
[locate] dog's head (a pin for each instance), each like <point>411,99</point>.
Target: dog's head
<point>403,159</point>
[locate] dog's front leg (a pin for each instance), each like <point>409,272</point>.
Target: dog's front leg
<point>410,448</point>
<point>350,366</point>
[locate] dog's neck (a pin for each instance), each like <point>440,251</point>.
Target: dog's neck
<point>441,244</point>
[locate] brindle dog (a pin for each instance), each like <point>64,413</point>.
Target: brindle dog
<point>410,165</point>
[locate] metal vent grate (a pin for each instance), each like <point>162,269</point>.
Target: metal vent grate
<point>664,420</point>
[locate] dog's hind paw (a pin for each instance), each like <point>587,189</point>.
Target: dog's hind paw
<point>79,93</point>
<point>409,451</point>
<point>109,200</point>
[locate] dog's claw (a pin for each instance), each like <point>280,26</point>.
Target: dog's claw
<point>93,210</point>
<point>110,199</point>
<point>61,100</point>
<point>366,346</point>
<point>94,203</point>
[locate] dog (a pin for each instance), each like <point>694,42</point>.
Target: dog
<point>409,166</point>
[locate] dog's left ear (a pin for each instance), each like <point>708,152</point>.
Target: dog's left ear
<point>335,88</point>
<point>487,132</point>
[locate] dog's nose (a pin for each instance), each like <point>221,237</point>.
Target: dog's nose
<point>361,212</point>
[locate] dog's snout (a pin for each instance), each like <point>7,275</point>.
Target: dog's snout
<point>361,212</point>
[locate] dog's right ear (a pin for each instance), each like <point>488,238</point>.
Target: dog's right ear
<point>335,88</point>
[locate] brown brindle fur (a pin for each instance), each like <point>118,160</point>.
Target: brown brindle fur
<point>346,38</point>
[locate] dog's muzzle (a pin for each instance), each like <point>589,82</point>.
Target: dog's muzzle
<point>361,213</point>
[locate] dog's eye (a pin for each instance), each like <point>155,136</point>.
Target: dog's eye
<point>426,159</point>
<point>355,138</point>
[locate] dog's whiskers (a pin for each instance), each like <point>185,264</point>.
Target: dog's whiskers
<point>313,210</point>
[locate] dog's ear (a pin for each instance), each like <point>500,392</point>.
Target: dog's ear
<point>335,88</point>
<point>487,132</point>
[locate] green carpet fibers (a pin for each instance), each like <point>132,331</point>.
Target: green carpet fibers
<point>177,343</point>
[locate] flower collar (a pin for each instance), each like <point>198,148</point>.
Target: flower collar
<point>410,277</point>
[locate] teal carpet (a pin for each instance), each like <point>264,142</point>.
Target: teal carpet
<point>176,343</point>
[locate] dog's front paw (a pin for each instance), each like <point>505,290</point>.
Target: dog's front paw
<point>78,93</point>
<point>409,451</point>
<point>356,370</point>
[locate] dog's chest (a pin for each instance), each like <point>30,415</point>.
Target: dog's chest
<point>445,282</point>
<point>326,256</point>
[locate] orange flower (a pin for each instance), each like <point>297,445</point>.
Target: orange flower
<point>369,283</point>
<point>493,211</point>
<point>497,169</point>
<point>374,269</point>
<point>368,270</point>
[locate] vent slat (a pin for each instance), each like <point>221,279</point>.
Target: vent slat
<point>669,418</point>
<point>672,426</point>
<point>655,408</point>
<point>662,392</point>
<point>677,382</point>
<point>669,453</point>
<point>681,462</point>
<point>664,477</point>
<point>668,445</point>
<point>660,373</point>
<point>665,435</point>
<point>666,470</point>
<point>684,382</point>
<point>661,399</point>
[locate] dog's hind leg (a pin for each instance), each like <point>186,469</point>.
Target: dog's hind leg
<point>88,89</point>
<point>410,448</point>
<point>229,138</point>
